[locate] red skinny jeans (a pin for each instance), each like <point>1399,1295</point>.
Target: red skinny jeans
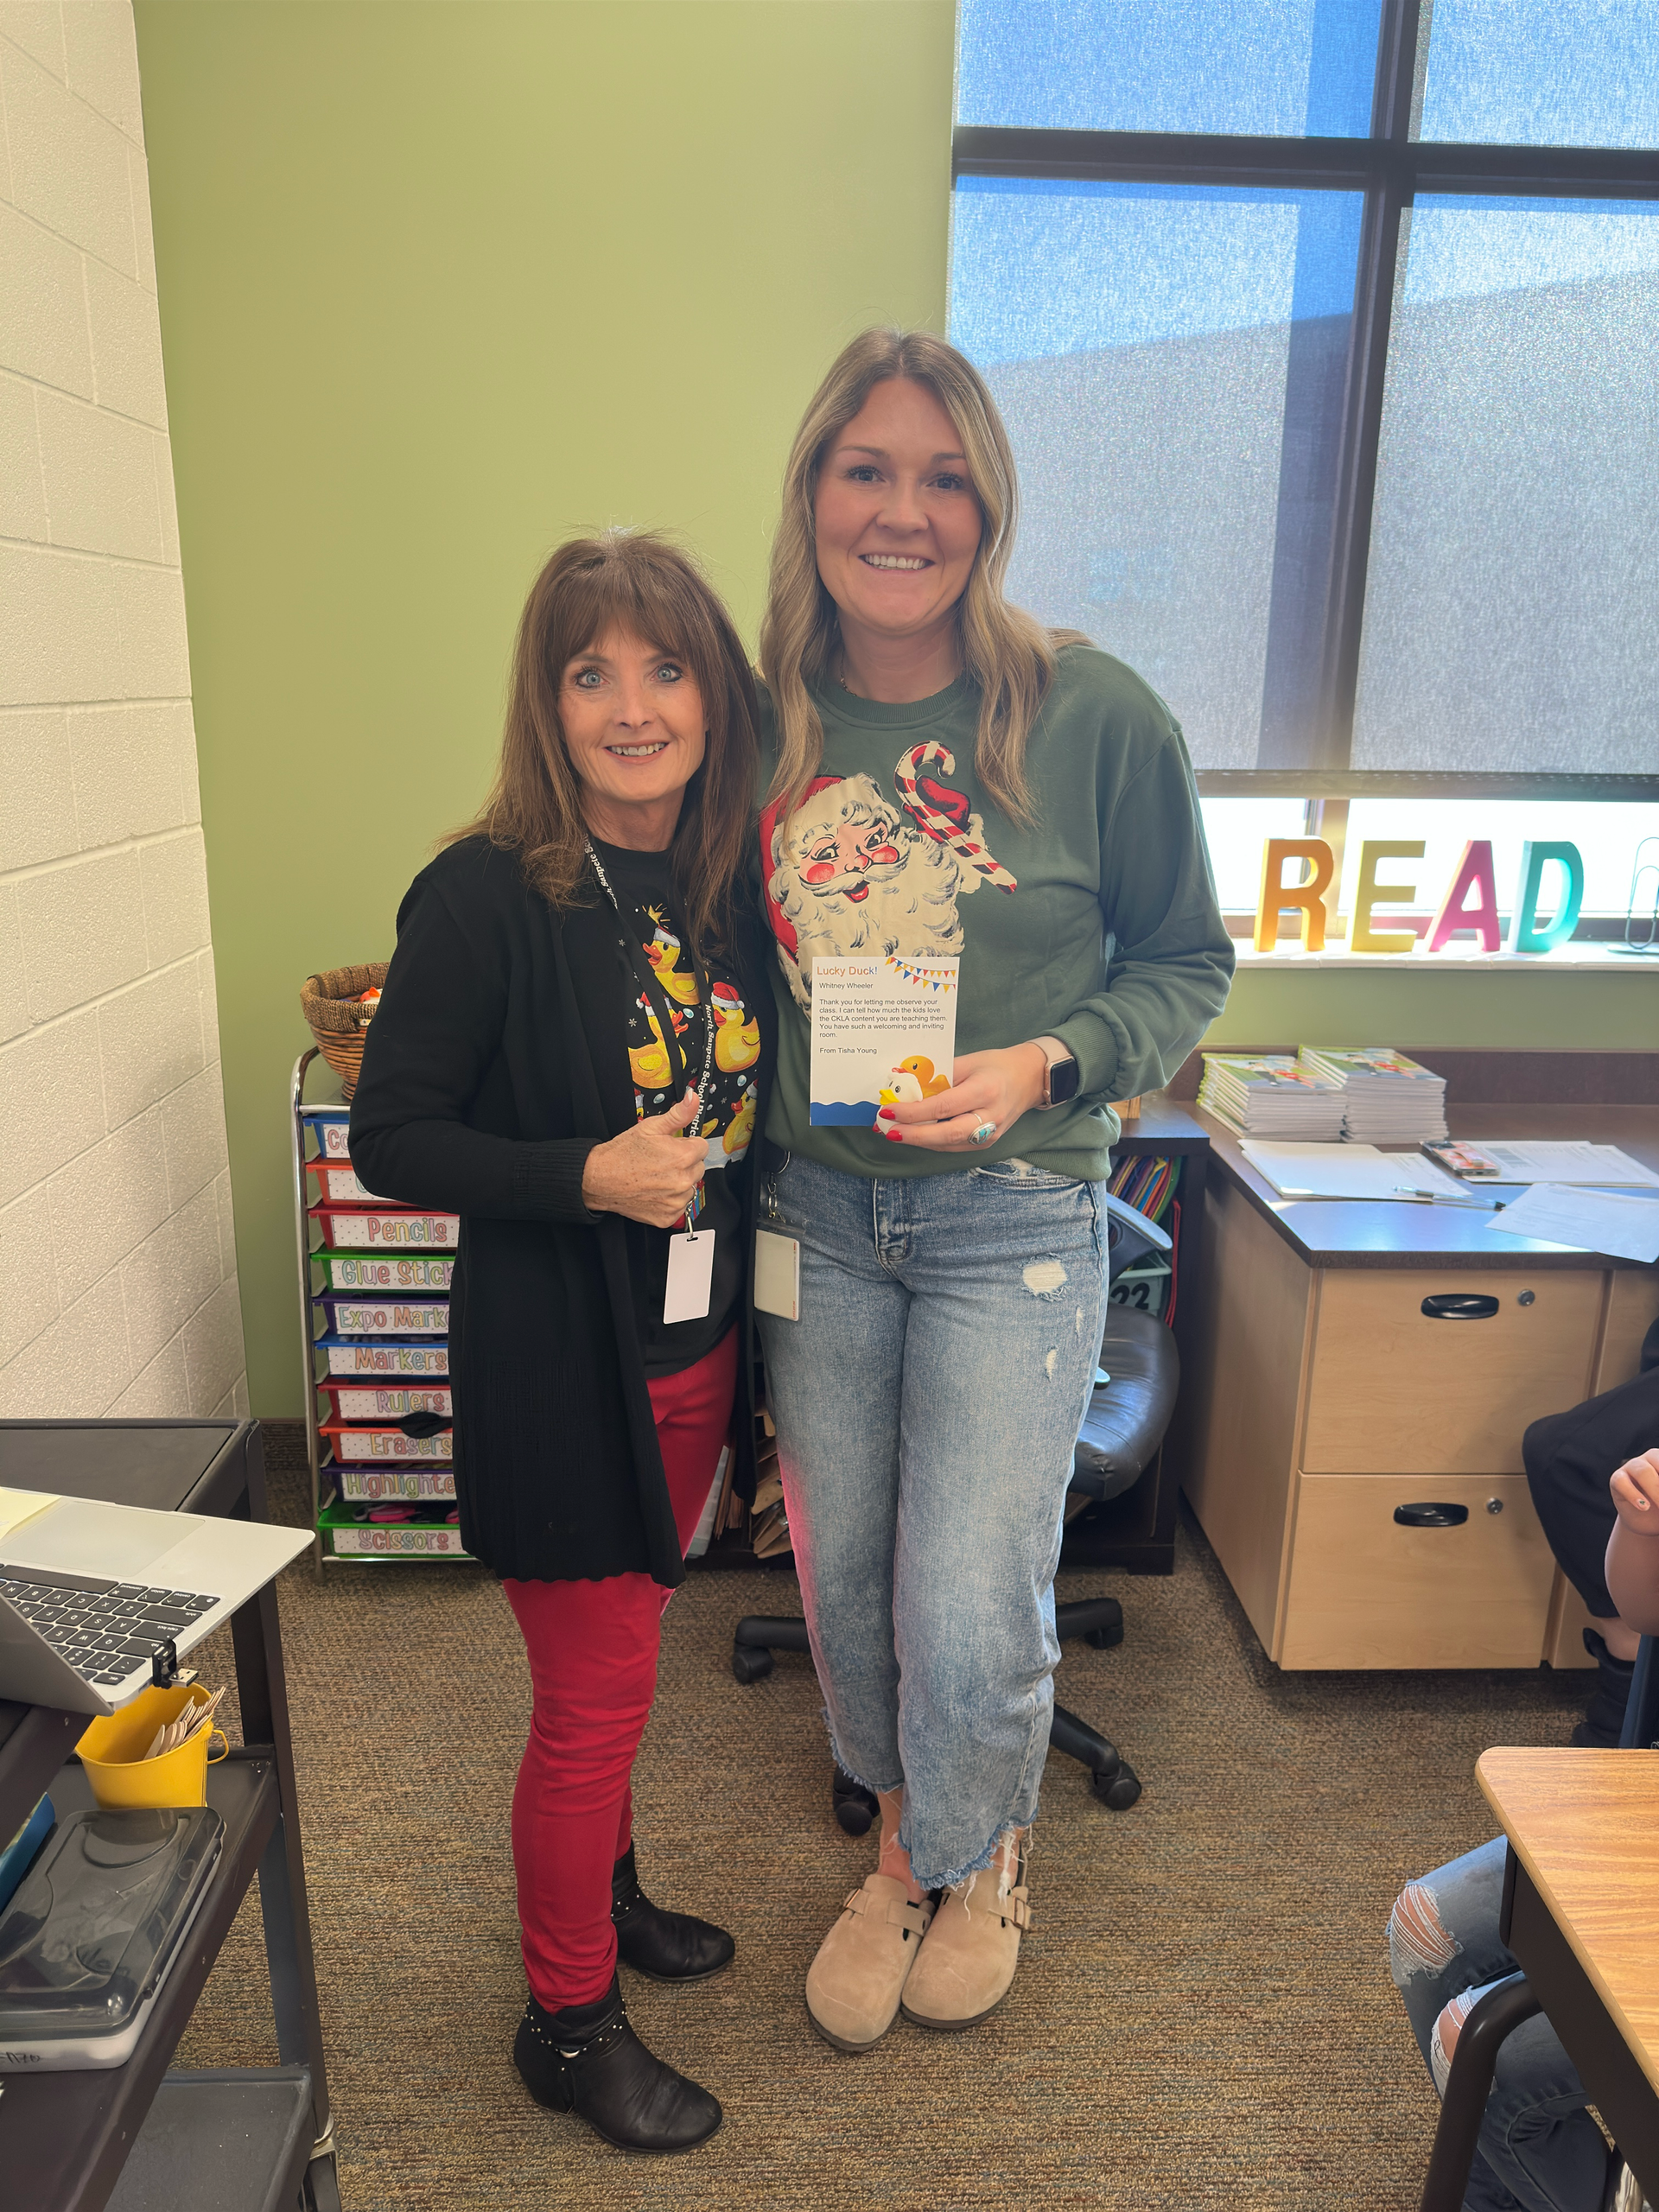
<point>593,1668</point>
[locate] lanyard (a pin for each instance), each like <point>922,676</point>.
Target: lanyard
<point>656,998</point>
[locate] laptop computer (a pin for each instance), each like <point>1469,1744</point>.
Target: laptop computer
<point>96,1600</point>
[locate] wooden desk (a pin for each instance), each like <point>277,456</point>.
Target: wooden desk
<point>1323,1398</point>
<point>1581,1915</point>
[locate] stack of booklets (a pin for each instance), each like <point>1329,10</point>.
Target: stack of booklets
<point>1386,1098</point>
<point>1272,1094</point>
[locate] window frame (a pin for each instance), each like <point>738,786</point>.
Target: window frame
<point>1390,168</point>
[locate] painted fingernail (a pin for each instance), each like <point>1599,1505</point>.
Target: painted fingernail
<point>883,1113</point>
<point>892,1136</point>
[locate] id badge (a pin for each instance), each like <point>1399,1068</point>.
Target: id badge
<point>777,1275</point>
<point>690,1275</point>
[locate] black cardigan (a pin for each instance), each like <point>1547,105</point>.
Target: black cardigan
<point>496,1061</point>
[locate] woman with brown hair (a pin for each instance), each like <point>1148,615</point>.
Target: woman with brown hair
<point>948,779</point>
<point>571,1052</point>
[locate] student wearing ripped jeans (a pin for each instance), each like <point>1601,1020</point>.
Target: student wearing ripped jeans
<point>1540,2151</point>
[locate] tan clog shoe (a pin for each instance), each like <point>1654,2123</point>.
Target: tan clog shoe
<point>853,1985</point>
<point>967,1963</point>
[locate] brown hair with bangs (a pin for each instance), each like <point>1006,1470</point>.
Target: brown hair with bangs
<point>641,583</point>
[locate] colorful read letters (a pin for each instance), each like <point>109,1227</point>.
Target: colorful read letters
<point>1469,903</point>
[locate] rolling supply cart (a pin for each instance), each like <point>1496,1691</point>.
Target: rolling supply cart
<point>374,1331</point>
<point>140,2137</point>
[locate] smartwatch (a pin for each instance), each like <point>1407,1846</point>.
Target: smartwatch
<point>1061,1074</point>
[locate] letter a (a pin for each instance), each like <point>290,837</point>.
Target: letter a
<point>1474,873</point>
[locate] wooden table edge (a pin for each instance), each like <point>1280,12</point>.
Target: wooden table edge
<point>1634,2040</point>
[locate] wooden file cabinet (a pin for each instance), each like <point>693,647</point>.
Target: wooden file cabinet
<point>1326,1398</point>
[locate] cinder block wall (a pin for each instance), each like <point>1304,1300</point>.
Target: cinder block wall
<point>117,1258</point>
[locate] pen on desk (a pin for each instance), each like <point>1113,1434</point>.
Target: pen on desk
<point>1435,1198</point>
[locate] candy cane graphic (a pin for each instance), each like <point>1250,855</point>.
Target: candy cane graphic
<point>941,825</point>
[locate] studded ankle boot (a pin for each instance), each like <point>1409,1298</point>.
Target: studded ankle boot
<point>667,1946</point>
<point>587,2059</point>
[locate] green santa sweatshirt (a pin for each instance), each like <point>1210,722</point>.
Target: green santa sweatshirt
<point>1097,925</point>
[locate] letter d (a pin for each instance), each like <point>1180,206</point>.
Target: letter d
<point>1525,935</point>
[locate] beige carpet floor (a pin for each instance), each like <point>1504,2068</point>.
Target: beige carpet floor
<point>1202,2018</point>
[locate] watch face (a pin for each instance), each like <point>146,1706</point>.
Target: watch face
<point>1062,1083</point>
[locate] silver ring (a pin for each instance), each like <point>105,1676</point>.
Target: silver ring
<point>983,1133</point>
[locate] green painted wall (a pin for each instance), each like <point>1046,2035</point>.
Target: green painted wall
<point>440,284</point>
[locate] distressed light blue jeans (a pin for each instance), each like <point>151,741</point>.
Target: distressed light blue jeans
<point>1539,2150</point>
<point>927,1403</point>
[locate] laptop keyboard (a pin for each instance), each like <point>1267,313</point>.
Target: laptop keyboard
<point>104,1629</point>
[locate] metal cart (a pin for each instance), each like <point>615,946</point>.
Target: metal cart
<point>139,2137</point>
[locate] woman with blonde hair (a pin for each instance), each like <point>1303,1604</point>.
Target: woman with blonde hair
<point>571,1052</point>
<point>947,778</point>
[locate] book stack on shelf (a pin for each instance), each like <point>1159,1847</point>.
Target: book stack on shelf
<point>768,1517</point>
<point>731,1533</point>
<point>1386,1098</point>
<point>1272,1094</point>
<point>379,1293</point>
<point>1151,1184</point>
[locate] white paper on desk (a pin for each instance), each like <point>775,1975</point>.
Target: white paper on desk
<point>1563,1160</point>
<point>882,1029</point>
<point>1347,1171</point>
<point>1585,1221</point>
<point>18,1506</point>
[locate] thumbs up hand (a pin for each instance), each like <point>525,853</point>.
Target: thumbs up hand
<point>650,1172</point>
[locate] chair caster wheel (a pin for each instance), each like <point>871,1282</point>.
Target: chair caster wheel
<point>855,1808</point>
<point>1103,1638</point>
<point>1118,1790</point>
<point>750,1663</point>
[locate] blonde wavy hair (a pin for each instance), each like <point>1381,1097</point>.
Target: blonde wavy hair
<point>1007,651</point>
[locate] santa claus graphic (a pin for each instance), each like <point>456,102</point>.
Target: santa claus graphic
<point>855,871</point>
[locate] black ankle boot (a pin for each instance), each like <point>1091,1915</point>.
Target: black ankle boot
<point>1603,1717</point>
<point>667,1946</point>
<point>587,2060</point>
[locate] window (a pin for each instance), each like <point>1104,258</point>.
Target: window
<point>1621,872</point>
<point>1327,333</point>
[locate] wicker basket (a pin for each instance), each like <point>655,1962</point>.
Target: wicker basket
<point>338,1022</point>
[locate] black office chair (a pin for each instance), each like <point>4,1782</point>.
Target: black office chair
<point>1509,2004</point>
<point>1130,1407</point>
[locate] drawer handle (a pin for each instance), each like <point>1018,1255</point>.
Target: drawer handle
<point>1431,1514</point>
<point>423,1424</point>
<point>1460,1306</point>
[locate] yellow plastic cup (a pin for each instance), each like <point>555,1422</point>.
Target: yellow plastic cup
<point>112,1753</point>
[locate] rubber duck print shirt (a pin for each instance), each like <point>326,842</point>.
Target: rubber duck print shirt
<point>645,895</point>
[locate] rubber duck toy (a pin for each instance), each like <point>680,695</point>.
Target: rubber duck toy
<point>912,1079</point>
